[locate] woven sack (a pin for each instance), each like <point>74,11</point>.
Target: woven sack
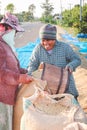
<point>76,126</point>
<point>25,90</point>
<point>50,112</point>
<point>57,78</point>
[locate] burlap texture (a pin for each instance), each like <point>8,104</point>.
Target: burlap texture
<point>43,112</point>
<point>25,91</point>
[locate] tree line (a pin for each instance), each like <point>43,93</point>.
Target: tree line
<point>69,17</point>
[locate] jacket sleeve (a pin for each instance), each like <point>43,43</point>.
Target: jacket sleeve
<point>7,75</point>
<point>73,58</point>
<point>34,61</point>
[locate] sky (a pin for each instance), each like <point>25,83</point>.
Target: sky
<point>22,5</point>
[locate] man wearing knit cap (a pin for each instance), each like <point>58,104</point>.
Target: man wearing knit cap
<point>55,52</point>
<point>48,32</point>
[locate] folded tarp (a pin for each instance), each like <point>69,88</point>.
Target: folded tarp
<point>82,35</point>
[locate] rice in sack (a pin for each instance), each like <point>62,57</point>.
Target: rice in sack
<point>76,126</point>
<point>50,112</point>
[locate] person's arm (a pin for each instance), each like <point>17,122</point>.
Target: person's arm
<point>34,61</point>
<point>73,59</point>
<point>23,71</point>
<point>7,75</point>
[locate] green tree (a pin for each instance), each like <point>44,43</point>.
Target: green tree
<point>31,10</point>
<point>72,18</point>
<point>84,13</point>
<point>83,27</point>
<point>10,7</point>
<point>48,10</point>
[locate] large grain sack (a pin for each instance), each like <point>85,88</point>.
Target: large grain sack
<point>76,126</point>
<point>50,112</point>
<point>25,91</point>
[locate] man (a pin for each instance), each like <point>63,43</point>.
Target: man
<point>54,52</point>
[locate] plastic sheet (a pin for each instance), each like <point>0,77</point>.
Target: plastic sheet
<point>75,41</point>
<point>24,53</point>
<point>82,35</point>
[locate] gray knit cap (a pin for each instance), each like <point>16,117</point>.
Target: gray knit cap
<point>48,31</point>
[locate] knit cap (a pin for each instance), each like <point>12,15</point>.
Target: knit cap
<point>48,31</point>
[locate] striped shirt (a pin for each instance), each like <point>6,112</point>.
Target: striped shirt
<point>62,55</point>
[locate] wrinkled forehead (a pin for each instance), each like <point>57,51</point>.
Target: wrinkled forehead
<point>1,25</point>
<point>4,27</point>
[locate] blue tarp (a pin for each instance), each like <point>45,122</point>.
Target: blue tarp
<point>83,51</point>
<point>69,37</point>
<point>74,40</point>
<point>82,35</point>
<point>24,53</point>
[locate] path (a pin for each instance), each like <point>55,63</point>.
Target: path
<point>30,35</point>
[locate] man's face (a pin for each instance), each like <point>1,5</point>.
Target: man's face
<point>48,44</point>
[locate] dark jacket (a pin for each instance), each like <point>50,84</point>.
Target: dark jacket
<point>9,73</point>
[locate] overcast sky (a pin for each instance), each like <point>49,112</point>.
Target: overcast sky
<point>22,5</point>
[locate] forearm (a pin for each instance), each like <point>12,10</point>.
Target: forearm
<point>33,65</point>
<point>73,59</point>
<point>74,64</point>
